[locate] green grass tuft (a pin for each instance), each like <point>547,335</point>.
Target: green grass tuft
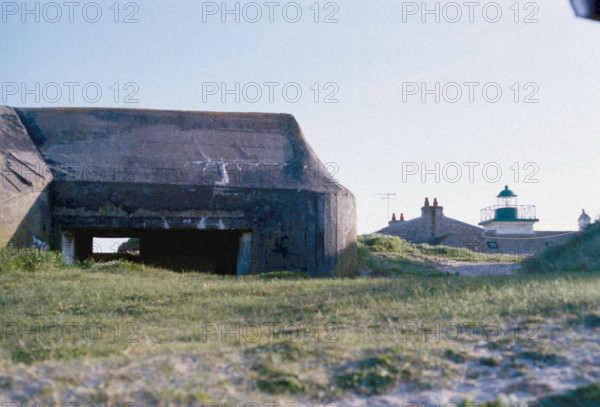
<point>374,375</point>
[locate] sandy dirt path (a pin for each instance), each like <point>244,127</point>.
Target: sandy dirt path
<point>470,269</point>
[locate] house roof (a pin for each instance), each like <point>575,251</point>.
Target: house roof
<point>400,225</point>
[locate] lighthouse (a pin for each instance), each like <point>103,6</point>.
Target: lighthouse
<point>508,218</point>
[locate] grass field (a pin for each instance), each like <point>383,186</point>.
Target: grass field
<point>153,336</point>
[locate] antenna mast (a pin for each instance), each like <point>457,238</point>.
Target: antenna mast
<point>388,196</point>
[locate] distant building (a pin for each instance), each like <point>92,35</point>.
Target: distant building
<point>506,228</point>
<point>584,220</point>
<point>434,228</point>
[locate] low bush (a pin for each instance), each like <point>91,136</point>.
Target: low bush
<point>30,259</point>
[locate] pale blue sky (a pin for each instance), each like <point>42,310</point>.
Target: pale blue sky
<point>368,54</point>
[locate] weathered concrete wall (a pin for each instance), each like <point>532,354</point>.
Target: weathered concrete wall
<point>291,229</point>
<point>24,180</point>
<point>345,258</point>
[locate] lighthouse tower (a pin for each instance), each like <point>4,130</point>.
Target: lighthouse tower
<point>508,218</point>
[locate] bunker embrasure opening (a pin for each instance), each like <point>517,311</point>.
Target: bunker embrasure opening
<point>225,252</point>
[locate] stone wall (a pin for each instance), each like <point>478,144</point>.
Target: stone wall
<point>523,245</point>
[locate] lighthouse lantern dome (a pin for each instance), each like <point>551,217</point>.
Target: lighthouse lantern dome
<point>507,198</point>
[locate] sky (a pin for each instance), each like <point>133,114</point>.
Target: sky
<point>446,100</point>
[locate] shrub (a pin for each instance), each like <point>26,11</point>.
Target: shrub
<point>580,253</point>
<point>29,259</point>
<point>363,254</point>
<point>384,244</point>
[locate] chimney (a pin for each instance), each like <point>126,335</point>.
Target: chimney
<point>401,217</point>
<point>435,210</point>
<point>431,214</point>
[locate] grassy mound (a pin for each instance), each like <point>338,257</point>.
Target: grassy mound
<point>390,255</point>
<point>580,253</point>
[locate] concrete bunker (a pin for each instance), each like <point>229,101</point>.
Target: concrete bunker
<point>229,193</point>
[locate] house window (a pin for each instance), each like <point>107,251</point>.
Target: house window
<point>492,245</point>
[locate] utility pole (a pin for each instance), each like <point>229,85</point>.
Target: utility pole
<point>388,196</point>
